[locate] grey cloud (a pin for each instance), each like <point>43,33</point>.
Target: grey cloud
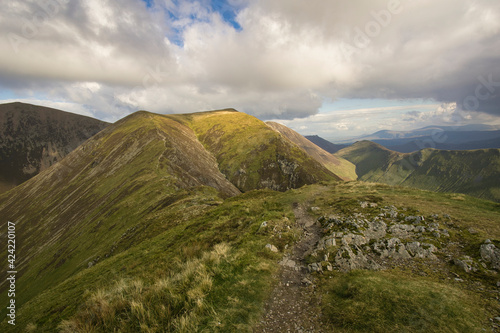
<point>287,58</point>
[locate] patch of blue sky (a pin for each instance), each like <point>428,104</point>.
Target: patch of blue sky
<point>227,12</point>
<point>149,3</point>
<point>7,95</point>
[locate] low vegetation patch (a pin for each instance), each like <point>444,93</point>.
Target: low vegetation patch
<point>175,303</point>
<point>367,301</point>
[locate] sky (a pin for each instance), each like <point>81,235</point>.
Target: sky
<point>338,68</point>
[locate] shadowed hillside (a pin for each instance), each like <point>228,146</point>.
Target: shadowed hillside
<point>473,172</point>
<point>339,166</point>
<point>32,138</point>
<point>330,147</point>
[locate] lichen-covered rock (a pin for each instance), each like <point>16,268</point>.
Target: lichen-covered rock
<point>401,230</point>
<point>376,230</point>
<point>414,219</point>
<point>421,250</point>
<point>352,257</point>
<point>491,254</point>
<point>315,267</point>
<point>354,239</point>
<point>466,263</point>
<point>330,242</point>
<point>391,248</point>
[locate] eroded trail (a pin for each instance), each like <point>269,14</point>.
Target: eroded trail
<point>294,304</point>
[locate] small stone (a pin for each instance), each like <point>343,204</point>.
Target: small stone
<point>262,226</point>
<point>330,242</point>
<point>472,231</point>
<point>288,263</point>
<point>306,281</point>
<point>314,267</point>
<point>271,248</point>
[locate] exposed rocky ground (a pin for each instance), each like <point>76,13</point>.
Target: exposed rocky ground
<point>375,238</point>
<point>385,237</point>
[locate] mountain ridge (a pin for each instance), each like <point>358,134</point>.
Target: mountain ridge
<point>473,172</point>
<point>153,163</point>
<point>196,222</point>
<point>32,138</point>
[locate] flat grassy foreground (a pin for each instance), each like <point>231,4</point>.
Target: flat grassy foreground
<point>212,273</point>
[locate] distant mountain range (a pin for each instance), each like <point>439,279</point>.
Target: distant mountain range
<point>32,138</point>
<point>466,137</point>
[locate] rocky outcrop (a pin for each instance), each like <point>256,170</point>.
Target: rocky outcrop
<point>491,254</point>
<point>380,236</point>
<point>374,238</point>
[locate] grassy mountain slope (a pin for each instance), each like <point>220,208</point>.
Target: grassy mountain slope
<point>129,182</point>
<point>252,155</point>
<point>210,271</point>
<point>339,166</point>
<point>139,230</point>
<point>371,159</point>
<point>106,195</point>
<point>32,138</point>
<point>473,172</point>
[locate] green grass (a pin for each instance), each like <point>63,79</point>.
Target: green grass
<point>217,257</point>
<point>171,253</point>
<point>251,154</point>
<point>473,172</point>
<point>209,269</point>
<point>363,301</point>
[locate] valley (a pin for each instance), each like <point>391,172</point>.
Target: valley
<point>472,172</point>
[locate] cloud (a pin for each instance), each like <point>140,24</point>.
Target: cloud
<point>270,58</point>
<point>339,125</point>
